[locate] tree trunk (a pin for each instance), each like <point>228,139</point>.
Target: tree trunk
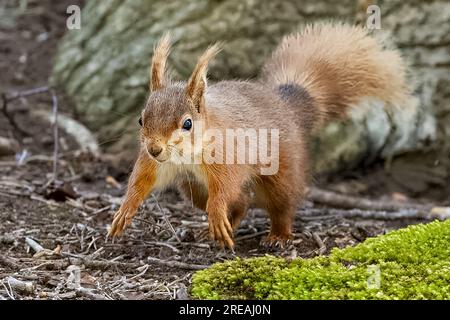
<point>104,66</point>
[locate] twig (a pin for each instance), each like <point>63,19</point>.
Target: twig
<point>97,253</point>
<point>96,264</point>
<point>159,243</point>
<point>140,274</point>
<point>9,195</point>
<point>101,210</point>
<point>78,260</point>
<point>55,135</point>
<point>10,117</point>
<point>9,291</point>
<point>26,93</point>
<point>435,213</point>
<point>26,287</point>
<point>163,244</point>
<point>320,243</point>
<point>196,245</point>
<point>61,296</point>
<point>50,265</point>
<point>336,200</point>
<point>194,224</point>
<point>99,264</point>
<point>318,217</point>
<point>165,219</point>
<point>251,236</point>
<point>176,264</point>
<point>50,203</point>
<point>34,245</point>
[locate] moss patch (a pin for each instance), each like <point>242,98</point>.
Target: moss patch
<point>411,263</point>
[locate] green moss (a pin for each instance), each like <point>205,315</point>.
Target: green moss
<point>411,263</point>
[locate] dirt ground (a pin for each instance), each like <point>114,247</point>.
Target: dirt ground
<point>166,243</point>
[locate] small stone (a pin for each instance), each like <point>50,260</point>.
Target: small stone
<point>8,146</point>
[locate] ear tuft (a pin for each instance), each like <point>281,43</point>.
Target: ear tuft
<point>196,85</point>
<point>158,64</point>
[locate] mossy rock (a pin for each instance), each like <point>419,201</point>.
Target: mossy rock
<point>410,263</point>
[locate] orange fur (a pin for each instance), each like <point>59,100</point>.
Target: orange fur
<point>339,65</point>
<point>312,77</point>
<point>158,64</point>
<point>140,184</point>
<point>196,85</point>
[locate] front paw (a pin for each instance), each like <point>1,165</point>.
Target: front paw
<point>121,220</point>
<point>220,230</point>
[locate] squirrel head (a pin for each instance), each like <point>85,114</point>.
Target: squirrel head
<point>173,109</point>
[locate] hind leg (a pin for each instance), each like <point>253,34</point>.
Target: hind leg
<point>280,194</point>
<point>237,213</point>
<point>281,218</point>
<point>194,192</point>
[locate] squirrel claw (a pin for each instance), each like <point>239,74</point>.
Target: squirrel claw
<point>120,222</point>
<point>221,231</point>
<point>276,242</point>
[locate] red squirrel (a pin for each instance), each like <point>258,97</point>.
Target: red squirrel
<point>311,77</point>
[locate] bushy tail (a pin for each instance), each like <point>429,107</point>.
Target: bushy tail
<point>336,66</point>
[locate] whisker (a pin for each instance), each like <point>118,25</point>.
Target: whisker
<point>117,113</point>
<point>114,139</point>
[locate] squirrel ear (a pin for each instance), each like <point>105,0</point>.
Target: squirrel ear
<point>158,65</point>
<point>196,85</point>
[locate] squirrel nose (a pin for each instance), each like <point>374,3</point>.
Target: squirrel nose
<point>155,151</point>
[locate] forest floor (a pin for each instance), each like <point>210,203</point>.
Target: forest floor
<point>52,249</point>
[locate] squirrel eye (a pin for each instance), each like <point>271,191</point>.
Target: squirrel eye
<point>140,121</point>
<point>187,124</point>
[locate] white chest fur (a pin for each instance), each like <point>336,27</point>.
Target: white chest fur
<point>168,174</point>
